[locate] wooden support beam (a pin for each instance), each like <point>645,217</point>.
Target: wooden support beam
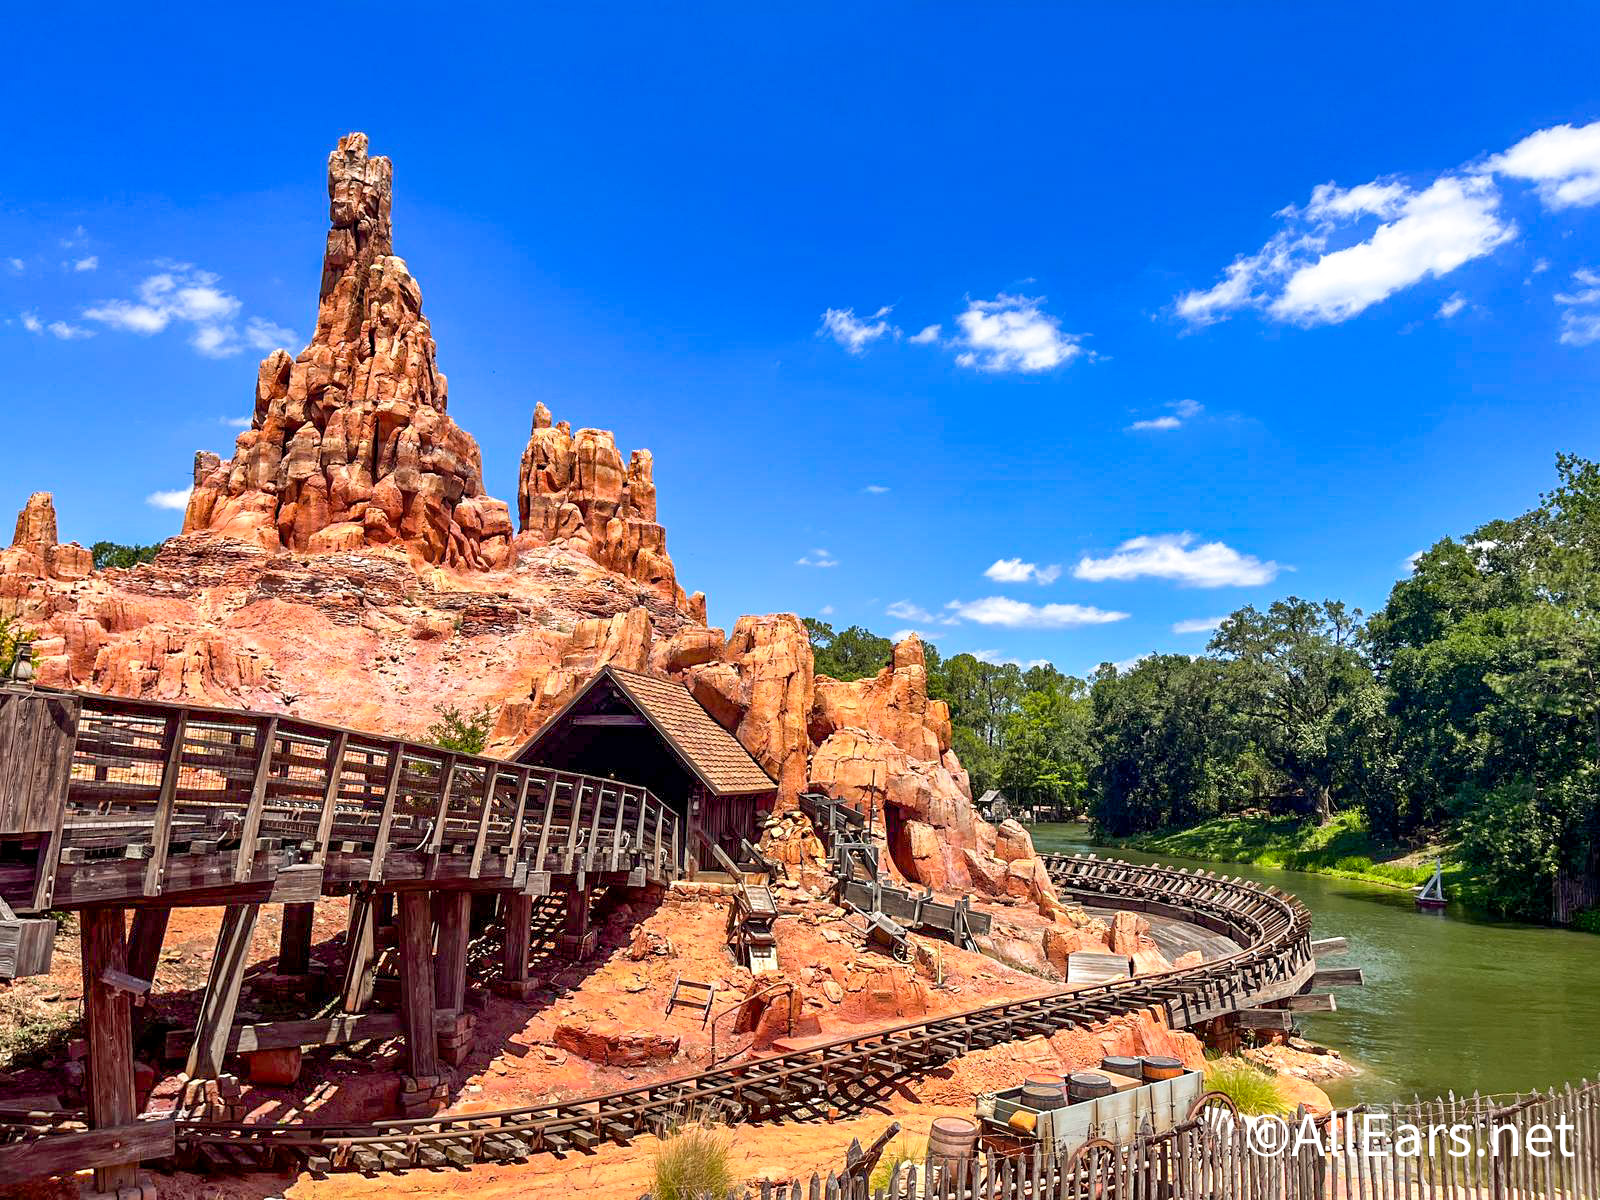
<point>266,740</point>
<point>1337,977</point>
<point>1315,1002</point>
<point>609,720</point>
<point>330,797</point>
<point>1265,1018</point>
<point>120,981</point>
<point>518,931</point>
<point>391,789</point>
<point>360,950</point>
<point>491,779</point>
<point>294,939</point>
<point>577,939</point>
<point>144,943</point>
<point>110,1036</point>
<point>118,1146</point>
<point>454,912</point>
<point>514,847</point>
<point>416,984</point>
<point>1328,947</point>
<point>441,818</point>
<point>338,1030</point>
<point>161,829</point>
<point>221,999</point>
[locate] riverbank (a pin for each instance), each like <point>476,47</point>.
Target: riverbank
<point>1341,848</point>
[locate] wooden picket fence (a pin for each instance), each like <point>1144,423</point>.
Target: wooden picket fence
<point>1365,1153</point>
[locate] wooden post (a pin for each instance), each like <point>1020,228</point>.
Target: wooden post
<point>221,999</point>
<point>266,742</point>
<point>294,940</point>
<point>416,984</point>
<point>110,1036</point>
<point>161,828</point>
<point>450,960</point>
<point>577,939</point>
<point>360,950</point>
<point>144,943</point>
<point>518,931</point>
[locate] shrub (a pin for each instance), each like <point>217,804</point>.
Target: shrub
<point>692,1162</point>
<point>906,1150</point>
<point>461,731</point>
<point>1253,1092</point>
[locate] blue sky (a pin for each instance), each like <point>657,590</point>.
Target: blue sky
<point>1231,303</point>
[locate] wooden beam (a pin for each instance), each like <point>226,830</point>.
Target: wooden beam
<point>116,1146</point>
<point>416,984</point>
<point>221,999</point>
<point>1337,977</point>
<point>607,720</point>
<point>514,847</point>
<point>454,911</point>
<point>330,797</point>
<point>518,933</point>
<point>110,1036</point>
<point>266,740</point>
<point>144,943</point>
<point>1328,947</point>
<point>120,981</point>
<point>360,949</point>
<point>294,939</point>
<point>339,1030</point>
<point>391,789</point>
<point>441,819</point>
<point>1265,1018</point>
<point>1314,1002</point>
<point>161,829</point>
<point>491,779</point>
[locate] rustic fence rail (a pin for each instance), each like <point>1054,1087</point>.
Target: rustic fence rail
<point>1480,1148</point>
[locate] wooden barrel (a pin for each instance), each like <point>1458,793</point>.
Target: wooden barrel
<point>1159,1066</point>
<point>1044,1091</point>
<point>952,1138</point>
<point>1118,1064</point>
<point>1088,1085</point>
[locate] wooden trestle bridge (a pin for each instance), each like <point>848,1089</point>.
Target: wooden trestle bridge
<point>109,804</point>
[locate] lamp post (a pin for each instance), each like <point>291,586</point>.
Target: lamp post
<point>21,672</point>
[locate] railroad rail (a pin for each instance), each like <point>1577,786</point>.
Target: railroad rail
<point>1275,961</point>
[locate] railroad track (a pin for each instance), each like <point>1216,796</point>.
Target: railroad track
<point>1275,961</point>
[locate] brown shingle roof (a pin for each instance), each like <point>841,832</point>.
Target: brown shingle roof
<point>706,748</point>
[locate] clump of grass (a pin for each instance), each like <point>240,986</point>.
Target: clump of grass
<point>30,1033</point>
<point>692,1162</point>
<point>1253,1092</point>
<point>907,1150</point>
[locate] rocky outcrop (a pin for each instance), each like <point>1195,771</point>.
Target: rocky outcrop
<point>574,490</point>
<point>622,640</point>
<point>350,444</point>
<point>35,551</point>
<point>893,704</point>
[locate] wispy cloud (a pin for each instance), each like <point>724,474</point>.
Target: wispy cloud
<point>235,422</point>
<point>89,263</point>
<point>17,265</point>
<point>874,489</point>
<point>182,294</point>
<point>996,658</point>
<point>817,558</point>
<point>1580,320</point>
<point>32,323</point>
<point>1014,570</point>
<point>1176,557</point>
<point>177,499</point>
<point>926,336</point>
<point>56,329</point>
<point>1198,625</point>
<point>900,635</point>
<point>1013,334</point>
<point>826,610</point>
<point>853,333</point>
<point>1452,306</point>
<point>1182,410</point>
<point>1018,614</point>
<point>77,237</point>
<point>266,336</point>
<point>904,610</point>
<point>1562,161</point>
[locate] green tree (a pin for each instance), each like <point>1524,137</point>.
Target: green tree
<point>848,654</point>
<point>113,554</point>
<point>462,731</point>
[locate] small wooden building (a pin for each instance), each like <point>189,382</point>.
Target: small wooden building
<point>652,732</point>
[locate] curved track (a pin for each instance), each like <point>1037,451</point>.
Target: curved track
<point>1271,926</point>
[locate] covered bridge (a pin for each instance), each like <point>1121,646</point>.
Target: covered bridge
<point>652,732</point>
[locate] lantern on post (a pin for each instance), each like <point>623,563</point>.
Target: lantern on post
<point>21,671</point>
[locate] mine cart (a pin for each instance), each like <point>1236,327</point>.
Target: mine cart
<point>887,935</point>
<point>1007,1118</point>
<point>750,928</point>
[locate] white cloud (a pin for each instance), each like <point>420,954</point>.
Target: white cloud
<point>16,264</point>
<point>1017,614</point>
<point>1013,333</point>
<point>1452,306</point>
<point>1412,560</point>
<point>31,322</point>
<point>1014,570</point>
<point>906,611</point>
<point>264,335</point>
<point>854,334</point>
<point>181,293</point>
<point>1198,625</point>
<point>875,489</point>
<point>1563,161</point>
<point>1182,410</point>
<point>68,333</point>
<point>1580,322</point>
<point>1128,664</point>
<point>817,558</point>
<point>826,610</point>
<point>76,238</point>
<point>928,335</point>
<point>900,635</point>
<point>1175,556</point>
<point>87,264</point>
<point>235,422</point>
<point>997,659</point>
<point>177,499</point>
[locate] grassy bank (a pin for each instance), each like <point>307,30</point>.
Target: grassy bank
<point>1342,847</point>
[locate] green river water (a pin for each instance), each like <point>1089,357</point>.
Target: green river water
<point>1450,1003</point>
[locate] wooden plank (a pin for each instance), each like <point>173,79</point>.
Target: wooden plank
<point>514,847</point>
<point>221,999</point>
<point>144,942</point>
<point>1337,977</point>
<point>106,1012</point>
<point>294,938</point>
<point>454,909</point>
<point>1313,1002</point>
<point>330,797</point>
<point>491,780</point>
<point>436,842</point>
<point>66,1153</point>
<point>416,984</point>
<point>338,1030</point>
<point>161,831</point>
<point>1265,1018</point>
<point>360,949</point>
<point>391,789</point>
<point>1327,947</point>
<point>266,741</point>
<point>611,721</point>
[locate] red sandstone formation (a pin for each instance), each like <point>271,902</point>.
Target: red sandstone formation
<point>351,444</point>
<point>35,553</point>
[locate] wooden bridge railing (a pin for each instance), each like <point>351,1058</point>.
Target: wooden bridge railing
<point>234,797</point>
